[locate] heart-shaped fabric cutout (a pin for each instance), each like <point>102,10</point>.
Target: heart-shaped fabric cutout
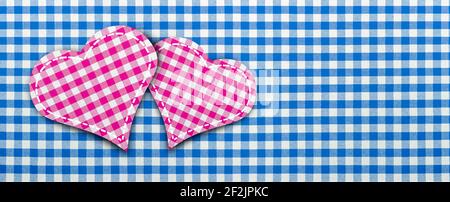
<point>99,88</point>
<point>195,94</point>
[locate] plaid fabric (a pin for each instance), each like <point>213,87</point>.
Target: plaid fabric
<point>346,91</point>
<point>195,94</point>
<point>99,88</point>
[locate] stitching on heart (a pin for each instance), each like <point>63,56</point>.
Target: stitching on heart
<point>158,96</point>
<point>120,138</point>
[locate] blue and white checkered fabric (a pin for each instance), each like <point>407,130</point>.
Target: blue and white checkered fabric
<point>347,91</point>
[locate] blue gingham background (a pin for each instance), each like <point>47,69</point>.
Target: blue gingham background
<point>347,91</point>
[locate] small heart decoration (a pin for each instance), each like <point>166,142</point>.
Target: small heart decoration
<point>99,88</point>
<point>195,94</point>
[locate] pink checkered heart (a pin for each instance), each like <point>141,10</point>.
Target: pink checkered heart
<point>99,88</point>
<point>195,94</point>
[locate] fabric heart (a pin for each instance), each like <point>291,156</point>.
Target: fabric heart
<point>195,94</point>
<point>99,88</point>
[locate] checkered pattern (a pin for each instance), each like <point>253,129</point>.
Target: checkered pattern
<point>99,88</point>
<point>195,94</point>
<point>346,91</point>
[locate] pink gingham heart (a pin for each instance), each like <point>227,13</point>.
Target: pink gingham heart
<point>99,88</point>
<point>195,94</point>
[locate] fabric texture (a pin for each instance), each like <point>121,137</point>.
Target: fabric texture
<point>346,91</point>
<point>195,94</point>
<point>99,88</point>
